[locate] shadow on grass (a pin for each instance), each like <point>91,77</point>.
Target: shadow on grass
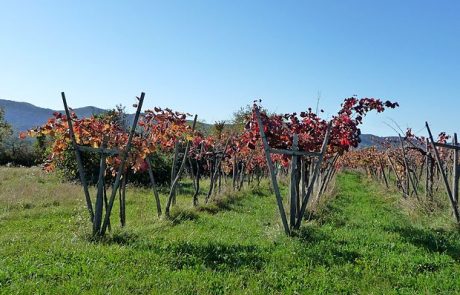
<point>223,203</point>
<point>321,249</point>
<point>215,256</point>
<point>439,240</point>
<point>331,213</point>
<point>311,234</point>
<point>118,237</point>
<point>185,188</point>
<point>179,215</point>
<point>185,255</point>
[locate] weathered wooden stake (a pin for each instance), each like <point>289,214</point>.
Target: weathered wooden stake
<point>315,175</point>
<point>100,191</point>
<point>122,196</point>
<point>325,181</point>
<point>154,187</point>
<point>217,168</point>
<point>455,171</point>
<point>302,184</point>
<point>173,169</point>
<point>235,172</point>
<point>179,172</point>
<point>427,170</point>
<point>122,165</point>
<point>405,194</point>
<point>443,174</point>
<point>271,169</point>
<point>382,169</point>
<point>406,166</point>
<point>81,171</point>
<point>197,179</point>
<point>293,190</point>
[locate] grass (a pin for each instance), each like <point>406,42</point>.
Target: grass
<point>360,242</point>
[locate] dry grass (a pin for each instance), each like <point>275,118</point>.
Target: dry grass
<point>434,211</point>
<point>31,187</point>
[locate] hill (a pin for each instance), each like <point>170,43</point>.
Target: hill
<point>23,116</point>
<point>368,140</point>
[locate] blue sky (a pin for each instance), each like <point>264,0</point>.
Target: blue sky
<point>211,57</point>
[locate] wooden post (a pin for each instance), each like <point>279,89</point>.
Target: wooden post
<point>382,168</point>
<point>106,204</point>
<point>220,175</point>
<point>122,165</point>
<point>235,167</point>
<point>173,169</point>
<point>197,184</point>
<point>302,183</point>
<point>242,174</point>
<point>216,170</point>
<point>154,186</point>
<point>406,164</point>
<point>197,179</point>
<point>124,181</point>
<point>81,171</point>
<point>100,191</point>
<point>293,190</point>
<point>179,172</point>
<point>327,177</point>
<point>443,174</point>
<point>315,174</point>
<point>271,169</point>
<point>334,170</point>
<point>455,171</point>
<point>428,169</point>
<point>192,172</point>
<point>397,177</point>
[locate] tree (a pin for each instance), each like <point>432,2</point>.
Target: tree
<point>219,129</point>
<point>5,128</point>
<point>240,117</point>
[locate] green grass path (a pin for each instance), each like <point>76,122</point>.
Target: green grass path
<point>370,246</point>
<point>362,243</point>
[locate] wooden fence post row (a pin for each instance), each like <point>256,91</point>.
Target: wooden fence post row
<point>452,194</point>
<point>296,212</point>
<point>100,228</point>
<point>178,174</point>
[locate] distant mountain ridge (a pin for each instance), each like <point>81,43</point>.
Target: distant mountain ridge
<point>368,140</point>
<point>24,116</point>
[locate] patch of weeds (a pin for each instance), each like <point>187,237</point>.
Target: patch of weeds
<point>426,267</point>
<point>215,256</point>
<point>210,208</point>
<point>123,237</point>
<point>120,237</point>
<point>55,203</point>
<point>331,213</point>
<point>439,240</point>
<point>224,202</point>
<point>27,206</point>
<point>257,190</point>
<point>311,234</point>
<point>179,215</point>
<point>5,279</point>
